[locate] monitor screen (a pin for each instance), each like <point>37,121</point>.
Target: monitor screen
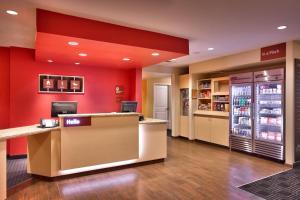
<point>128,106</point>
<point>63,107</point>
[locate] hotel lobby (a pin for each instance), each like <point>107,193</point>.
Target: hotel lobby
<point>139,99</point>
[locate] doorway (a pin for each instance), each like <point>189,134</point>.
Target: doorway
<point>161,103</point>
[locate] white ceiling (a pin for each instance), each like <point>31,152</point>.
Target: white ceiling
<point>230,26</point>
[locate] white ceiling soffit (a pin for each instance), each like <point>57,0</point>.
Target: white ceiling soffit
<point>229,26</point>
<point>149,75</point>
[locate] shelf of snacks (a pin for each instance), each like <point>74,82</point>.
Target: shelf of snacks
<point>204,94</point>
<point>220,94</point>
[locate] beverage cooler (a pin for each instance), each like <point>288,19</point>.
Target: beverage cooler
<point>269,113</point>
<point>241,112</point>
<point>257,113</point>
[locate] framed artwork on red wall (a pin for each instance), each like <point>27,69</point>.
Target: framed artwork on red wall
<point>61,84</point>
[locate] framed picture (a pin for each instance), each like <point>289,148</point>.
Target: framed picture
<point>61,84</point>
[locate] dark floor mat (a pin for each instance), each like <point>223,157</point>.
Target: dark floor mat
<point>283,186</point>
<point>16,172</point>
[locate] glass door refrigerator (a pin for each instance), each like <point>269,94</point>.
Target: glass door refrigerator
<point>269,113</point>
<point>241,112</point>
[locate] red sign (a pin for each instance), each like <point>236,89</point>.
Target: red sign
<point>119,89</point>
<point>77,121</point>
<point>273,52</point>
<point>48,83</point>
<point>62,84</point>
<point>75,85</point>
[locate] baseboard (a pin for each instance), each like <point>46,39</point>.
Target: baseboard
<point>16,156</point>
<point>63,177</point>
<point>212,144</point>
<point>296,165</point>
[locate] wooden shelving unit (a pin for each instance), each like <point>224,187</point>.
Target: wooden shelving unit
<point>213,94</point>
<point>220,94</point>
<point>204,94</point>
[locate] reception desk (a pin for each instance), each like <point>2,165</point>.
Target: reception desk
<point>86,142</point>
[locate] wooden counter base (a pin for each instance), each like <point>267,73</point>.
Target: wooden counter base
<point>45,146</point>
<point>107,143</point>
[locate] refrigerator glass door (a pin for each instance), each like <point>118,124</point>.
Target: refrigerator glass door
<point>269,112</point>
<point>241,110</point>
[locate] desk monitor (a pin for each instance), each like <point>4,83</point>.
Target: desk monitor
<point>63,107</point>
<point>128,106</point>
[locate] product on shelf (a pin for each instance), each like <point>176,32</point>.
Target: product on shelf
<point>224,107</point>
<point>242,132</point>
<point>245,111</point>
<point>204,85</point>
<point>224,98</point>
<point>272,111</point>
<point>203,106</point>
<point>242,91</point>
<point>270,89</point>
<point>270,102</point>
<point>275,121</point>
<point>205,94</point>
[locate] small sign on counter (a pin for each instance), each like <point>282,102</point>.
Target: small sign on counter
<point>77,121</point>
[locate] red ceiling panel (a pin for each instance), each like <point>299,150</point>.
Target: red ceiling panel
<point>106,44</point>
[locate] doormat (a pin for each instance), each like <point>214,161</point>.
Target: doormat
<point>16,172</point>
<point>282,186</point>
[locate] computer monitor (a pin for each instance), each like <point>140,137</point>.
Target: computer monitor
<point>128,106</point>
<point>63,107</point>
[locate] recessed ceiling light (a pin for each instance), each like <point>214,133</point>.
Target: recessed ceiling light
<point>82,54</point>
<point>73,43</point>
<point>50,61</point>
<point>155,54</point>
<point>12,12</point>
<point>281,27</point>
<point>173,59</point>
<point>210,49</point>
<point>126,59</point>
<point>77,63</point>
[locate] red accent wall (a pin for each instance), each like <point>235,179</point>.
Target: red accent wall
<point>27,106</point>
<point>4,87</point>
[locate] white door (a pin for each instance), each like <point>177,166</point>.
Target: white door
<point>161,102</point>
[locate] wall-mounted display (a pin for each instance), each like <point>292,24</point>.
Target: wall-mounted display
<point>61,84</point>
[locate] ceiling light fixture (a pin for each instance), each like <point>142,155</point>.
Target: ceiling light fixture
<point>126,59</point>
<point>210,49</point>
<point>281,27</point>
<point>77,63</point>
<point>50,61</point>
<point>174,59</point>
<point>12,12</point>
<point>82,54</point>
<point>155,54</point>
<point>73,43</point>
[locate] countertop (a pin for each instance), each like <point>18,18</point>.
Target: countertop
<point>10,133</point>
<point>212,113</point>
<point>112,114</point>
<point>153,121</point>
<point>6,134</point>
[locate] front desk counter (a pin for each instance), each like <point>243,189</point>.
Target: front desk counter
<point>86,142</point>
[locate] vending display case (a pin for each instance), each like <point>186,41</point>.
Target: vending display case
<point>241,112</point>
<point>269,113</point>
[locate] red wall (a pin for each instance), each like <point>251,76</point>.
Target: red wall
<point>27,106</point>
<point>4,87</point>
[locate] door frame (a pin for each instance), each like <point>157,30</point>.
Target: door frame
<point>169,124</point>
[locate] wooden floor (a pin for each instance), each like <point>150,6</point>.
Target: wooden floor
<point>192,171</point>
